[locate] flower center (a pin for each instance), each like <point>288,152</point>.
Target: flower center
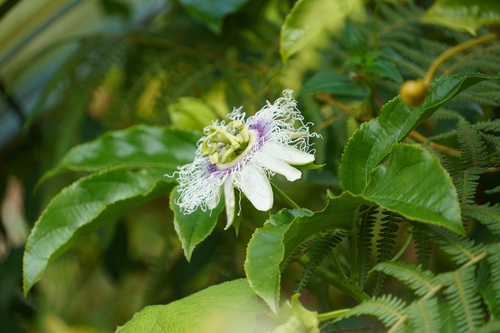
<point>224,146</point>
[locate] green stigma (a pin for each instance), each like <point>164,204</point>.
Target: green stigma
<point>224,147</point>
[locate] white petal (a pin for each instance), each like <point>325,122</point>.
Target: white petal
<point>289,154</point>
<point>230,201</point>
<point>257,188</point>
<point>214,202</point>
<point>277,165</point>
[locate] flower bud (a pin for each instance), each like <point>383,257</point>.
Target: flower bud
<point>413,92</point>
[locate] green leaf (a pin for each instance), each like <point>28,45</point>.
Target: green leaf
<point>195,227</point>
<point>382,68</point>
<point>416,186</point>
<point>228,307</point>
<point>265,253</point>
<point>355,41</point>
<point>309,18</point>
<point>161,149</point>
<point>373,141</point>
<point>464,14</point>
<point>335,84</point>
<point>212,12</point>
<point>81,208</point>
<point>272,244</point>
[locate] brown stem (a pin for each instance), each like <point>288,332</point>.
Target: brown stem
<point>444,149</point>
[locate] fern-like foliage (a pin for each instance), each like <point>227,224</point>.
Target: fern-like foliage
<point>387,308</point>
<point>430,310</point>
<point>463,297</point>
<point>460,248</point>
<point>322,248</point>
<point>419,280</point>
<point>488,126</point>
<point>490,327</point>
<point>466,182</point>
<point>493,190</point>
<point>385,244</point>
<point>487,215</point>
<point>301,250</point>
<point>493,283</point>
<point>423,246</point>
<point>365,237</point>
<point>494,141</point>
<point>472,146</point>
<point>424,316</point>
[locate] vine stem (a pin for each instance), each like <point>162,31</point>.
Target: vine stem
<point>403,248</point>
<point>285,197</point>
<point>491,170</point>
<point>332,314</point>
<point>454,50</point>
<point>475,259</point>
<point>444,149</point>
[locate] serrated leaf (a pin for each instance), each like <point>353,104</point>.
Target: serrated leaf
<point>416,186</point>
<point>464,14</point>
<point>81,208</point>
<point>272,244</point>
<point>308,18</point>
<point>228,307</point>
<point>335,84</point>
<point>373,141</point>
<point>211,13</point>
<point>160,149</point>
<point>192,229</point>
